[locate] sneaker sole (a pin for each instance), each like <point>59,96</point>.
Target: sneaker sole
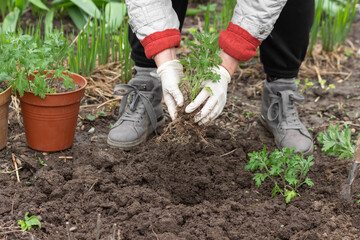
<point>264,123</point>
<point>141,139</point>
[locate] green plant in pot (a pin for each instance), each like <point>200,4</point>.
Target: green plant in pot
<point>49,95</point>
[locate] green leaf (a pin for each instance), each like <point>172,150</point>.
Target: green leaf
<point>42,162</point>
<point>88,7</point>
<point>275,190</point>
<point>309,182</point>
<point>29,222</point>
<point>10,21</point>
<point>289,195</point>
<point>22,225</point>
<point>90,117</point>
<point>39,4</point>
<point>348,53</point>
<point>209,90</point>
<point>48,22</point>
<point>3,7</point>
<point>21,4</point>
<point>33,221</point>
<point>101,114</point>
<point>193,11</point>
<point>336,142</point>
<point>115,13</point>
<point>78,17</point>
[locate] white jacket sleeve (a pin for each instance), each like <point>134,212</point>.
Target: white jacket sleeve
<point>257,17</point>
<point>155,24</point>
<point>252,22</point>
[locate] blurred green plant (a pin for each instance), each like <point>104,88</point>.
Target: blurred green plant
<point>200,9</point>
<point>307,83</point>
<point>11,10</point>
<point>80,11</point>
<point>324,86</point>
<point>332,23</point>
<point>100,44</point>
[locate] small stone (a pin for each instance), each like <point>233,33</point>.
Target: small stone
<point>72,229</point>
<point>92,130</point>
<point>317,205</point>
<point>82,127</point>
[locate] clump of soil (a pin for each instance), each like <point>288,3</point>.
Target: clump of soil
<point>183,129</point>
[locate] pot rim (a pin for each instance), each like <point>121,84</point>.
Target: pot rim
<point>6,90</point>
<point>64,93</point>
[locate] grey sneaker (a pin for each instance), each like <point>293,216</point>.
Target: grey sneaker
<point>279,115</point>
<point>143,113</point>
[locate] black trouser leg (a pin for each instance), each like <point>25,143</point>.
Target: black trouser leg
<point>285,48</point>
<point>138,53</point>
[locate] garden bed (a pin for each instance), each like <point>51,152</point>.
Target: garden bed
<point>194,191</point>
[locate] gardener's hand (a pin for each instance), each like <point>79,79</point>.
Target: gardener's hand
<point>170,74</point>
<point>214,100</point>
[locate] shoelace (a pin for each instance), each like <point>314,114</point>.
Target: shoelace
<point>136,96</point>
<point>283,105</point>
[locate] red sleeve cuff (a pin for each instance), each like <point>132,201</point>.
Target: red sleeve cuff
<point>238,43</point>
<point>159,41</point>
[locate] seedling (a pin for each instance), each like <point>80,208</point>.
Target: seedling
<point>348,53</point>
<point>336,142</point>
<point>307,83</point>
<point>92,117</point>
<point>199,63</point>
<point>285,169</point>
<point>323,85</point>
<point>29,222</point>
<point>23,56</point>
<point>248,114</point>
<point>101,114</point>
<point>42,162</point>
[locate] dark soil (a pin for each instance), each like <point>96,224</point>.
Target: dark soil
<point>3,86</point>
<point>59,86</point>
<point>185,191</point>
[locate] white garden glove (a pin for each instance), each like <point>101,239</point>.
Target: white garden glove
<point>170,74</point>
<point>215,101</point>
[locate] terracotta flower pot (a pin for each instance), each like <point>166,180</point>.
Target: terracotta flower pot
<point>50,122</point>
<point>4,110</point>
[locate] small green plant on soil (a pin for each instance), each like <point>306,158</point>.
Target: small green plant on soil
<point>199,63</point>
<point>337,142</point>
<point>285,169</point>
<point>92,117</point>
<point>42,162</point>
<point>307,84</point>
<point>29,222</point>
<point>323,85</point>
<point>23,56</point>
